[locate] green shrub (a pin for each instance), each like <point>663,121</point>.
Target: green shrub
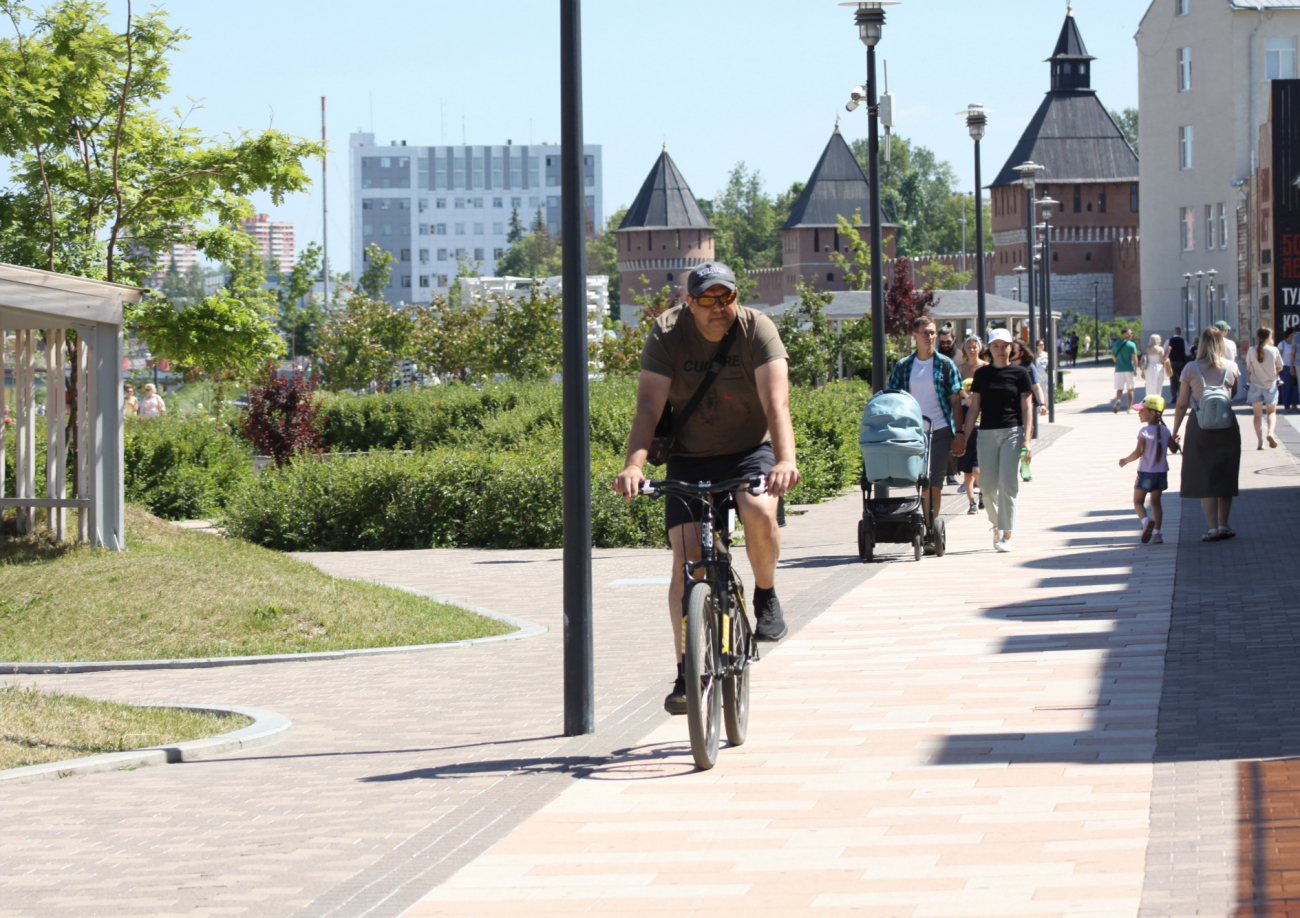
<point>183,468</point>
<point>434,499</point>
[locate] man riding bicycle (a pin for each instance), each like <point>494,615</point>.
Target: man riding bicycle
<point>740,427</point>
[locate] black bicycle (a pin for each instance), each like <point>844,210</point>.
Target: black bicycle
<point>717,639</point>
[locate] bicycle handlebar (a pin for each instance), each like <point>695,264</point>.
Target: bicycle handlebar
<point>754,485</point>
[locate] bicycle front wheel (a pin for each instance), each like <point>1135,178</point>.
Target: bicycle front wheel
<point>735,686</point>
<point>703,698</point>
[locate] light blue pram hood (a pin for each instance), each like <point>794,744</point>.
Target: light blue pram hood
<point>893,441</point>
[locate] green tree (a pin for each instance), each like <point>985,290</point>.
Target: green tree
<point>452,340</point>
<point>602,258</point>
<point>1127,121</point>
<point>748,222</point>
<point>621,355</point>
<point>859,248</point>
<point>364,340</point>
<point>917,191</point>
<point>811,342</point>
<point>535,254</point>
<point>516,227</point>
<point>101,183</point>
<point>227,336</point>
<point>291,296</point>
<point>525,334</point>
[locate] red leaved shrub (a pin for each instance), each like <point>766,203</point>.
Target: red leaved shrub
<point>283,418</point>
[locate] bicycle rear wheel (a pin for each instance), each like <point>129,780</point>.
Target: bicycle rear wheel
<point>735,685</point>
<point>703,698</point>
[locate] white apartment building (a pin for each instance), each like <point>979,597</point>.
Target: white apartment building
<point>433,206</point>
<point>1204,68</point>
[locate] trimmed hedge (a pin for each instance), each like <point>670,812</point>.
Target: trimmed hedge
<point>487,470</point>
<point>184,468</point>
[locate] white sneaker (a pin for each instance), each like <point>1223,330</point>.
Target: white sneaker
<point>1003,545</point>
<point>997,539</point>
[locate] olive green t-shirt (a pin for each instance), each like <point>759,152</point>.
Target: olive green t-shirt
<point>730,417</point>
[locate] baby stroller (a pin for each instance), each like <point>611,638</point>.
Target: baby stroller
<point>895,445</point>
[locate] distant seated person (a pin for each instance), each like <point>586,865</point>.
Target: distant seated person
<point>152,405</point>
<point>130,404</point>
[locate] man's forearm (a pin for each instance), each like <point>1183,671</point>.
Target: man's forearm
<point>782,429</point>
<point>638,441</point>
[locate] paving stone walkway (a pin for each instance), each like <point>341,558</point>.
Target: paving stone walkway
<point>1076,728</point>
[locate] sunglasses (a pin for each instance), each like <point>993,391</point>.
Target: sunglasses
<point>709,302</point>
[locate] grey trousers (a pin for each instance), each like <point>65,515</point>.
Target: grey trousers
<point>999,452</point>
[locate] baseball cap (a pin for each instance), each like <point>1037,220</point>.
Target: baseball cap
<point>1155,402</point>
<point>710,274</point>
<point>1222,326</point>
<point>1000,334</point>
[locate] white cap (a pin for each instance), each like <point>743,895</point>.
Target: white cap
<point>1000,334</point>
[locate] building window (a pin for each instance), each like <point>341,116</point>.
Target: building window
<point>478,229</point>
<point>424,229</point>
<point>1087,256</point>
<point>424,280</point>
<point>367,162</point>
<point>1223,226</point>
<point>1209,226</point>
<point>498,228</point>
<point>1101,200</point>
<point>441,203</point>
<point>403,162</point>
<point>1187,229</point>
<point>1185,147</point>
<point>385,162</point>
<point>552,181</point>
<point>368,204</point>
<point>385,231</point>
<point>516,202</point>
<point>1078,198</point>
<point>368,229</point>
<point>498,202</point>
<point>404,183</point>
<point>405,229</point>
<point>385,183</point>
<point>442,254</point>
<point>1184,69</point>
<point>406,281</point>
<point>498,254</point>
<point>1181,7</point>
<point>424,204</point>
<point>478,254</point>
<point>1056,256</point>
<point>591,181</point>
<point>553,201</point>
<point>591,200</point>
<point>1279,58</point>
<point>1133,198</point>
<point>406,255</point>
<point>476,202</point>
<point>424,256</point>
<point>460,203</point>
<point>367,183</point>
<point>460,229</point>
<point>441,230</point>
<point>460,253</point>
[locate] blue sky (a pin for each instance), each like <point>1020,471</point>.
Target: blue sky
<point>719,80</point>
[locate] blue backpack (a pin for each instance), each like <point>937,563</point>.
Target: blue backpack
<point>1214,410</point>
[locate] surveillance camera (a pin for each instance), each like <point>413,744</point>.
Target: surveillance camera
<point>852,106</point>
<point>859,93</point>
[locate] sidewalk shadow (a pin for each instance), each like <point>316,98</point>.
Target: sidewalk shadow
<point>636,763</point>
<point>1231,677</point>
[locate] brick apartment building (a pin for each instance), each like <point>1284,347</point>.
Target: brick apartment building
<point>1093,172</point>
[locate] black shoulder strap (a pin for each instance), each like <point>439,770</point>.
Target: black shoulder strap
<point>679,420</point>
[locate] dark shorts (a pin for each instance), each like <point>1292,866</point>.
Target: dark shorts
<point>1151,481</point>
<point>679,510</point>
<point>970,460</point>
<point>940,451</point>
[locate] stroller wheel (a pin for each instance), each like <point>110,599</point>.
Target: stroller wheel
<point>940,538</point>
<point>866,545</point>
<point>918,548</point>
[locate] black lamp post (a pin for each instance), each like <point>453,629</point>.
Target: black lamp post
<point>976,122</point>
<point>1187,306</point>
<point>1209,299</point>
<point>1029,177</point>
<point>1096,326</point>
<point>579,666</point>
<point>1200,291</point>
<point>1019,272</point>
<point>870,20</point>
<point>1049,334</point>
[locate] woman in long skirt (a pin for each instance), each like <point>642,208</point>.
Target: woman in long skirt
<point>1155,367</point>
<point>1211,458</point>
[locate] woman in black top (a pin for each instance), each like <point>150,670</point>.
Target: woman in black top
<point>1002,398</point>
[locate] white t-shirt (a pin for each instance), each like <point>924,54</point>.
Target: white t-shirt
<point>151,406</point>
<point>1264,375</point>
<point>1229,348</point>
<point>921,386</point>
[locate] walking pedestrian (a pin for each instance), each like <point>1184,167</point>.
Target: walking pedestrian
<point>1155,366</point>
<point>1212,454</point>
<point>1290,389</point>
<point>1124,353</point>
<point>1153,446</point>
<point>935,383</point>
<point>969,462</point>
<point>1176,354</point>
<point>1264,368</point>
<point>1002,399</point>
<point>152,405</point>
<point>947,345</point>
<point>130,404</point>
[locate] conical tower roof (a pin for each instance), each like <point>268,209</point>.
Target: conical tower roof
<point>838,186</point>
<point>1072,134</point>
<point>1070,47</point>
<point>665,201</point>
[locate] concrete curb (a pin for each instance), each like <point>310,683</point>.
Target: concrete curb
<point>526,628</point>
<point>267,727</point>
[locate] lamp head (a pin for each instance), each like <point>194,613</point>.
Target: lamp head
<point>1019,269</point>
<point>1212,272</point>
<point>1029,173</point>
<point>1200,274</point>
<point>870,19</point>
<point>1187,278</point>
<point>976,120</point>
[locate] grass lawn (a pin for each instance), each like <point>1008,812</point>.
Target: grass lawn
<point>178,594</point>
<point>36,728</point>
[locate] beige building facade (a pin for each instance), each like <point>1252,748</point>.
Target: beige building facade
<point>1204,69</point>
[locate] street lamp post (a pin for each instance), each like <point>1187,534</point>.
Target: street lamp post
<point>1200,289</point>
<point>579,666</point>
<point>1187,305</point>
<point>1019,272</point>
<point>1210,291</point>
<point>976,122</point>
<point>1028,177</point>
<point>870,20</point>
<point>1049,333</point>
<point>1096,326</point>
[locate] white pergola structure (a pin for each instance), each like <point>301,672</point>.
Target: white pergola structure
<point>34,301</point>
